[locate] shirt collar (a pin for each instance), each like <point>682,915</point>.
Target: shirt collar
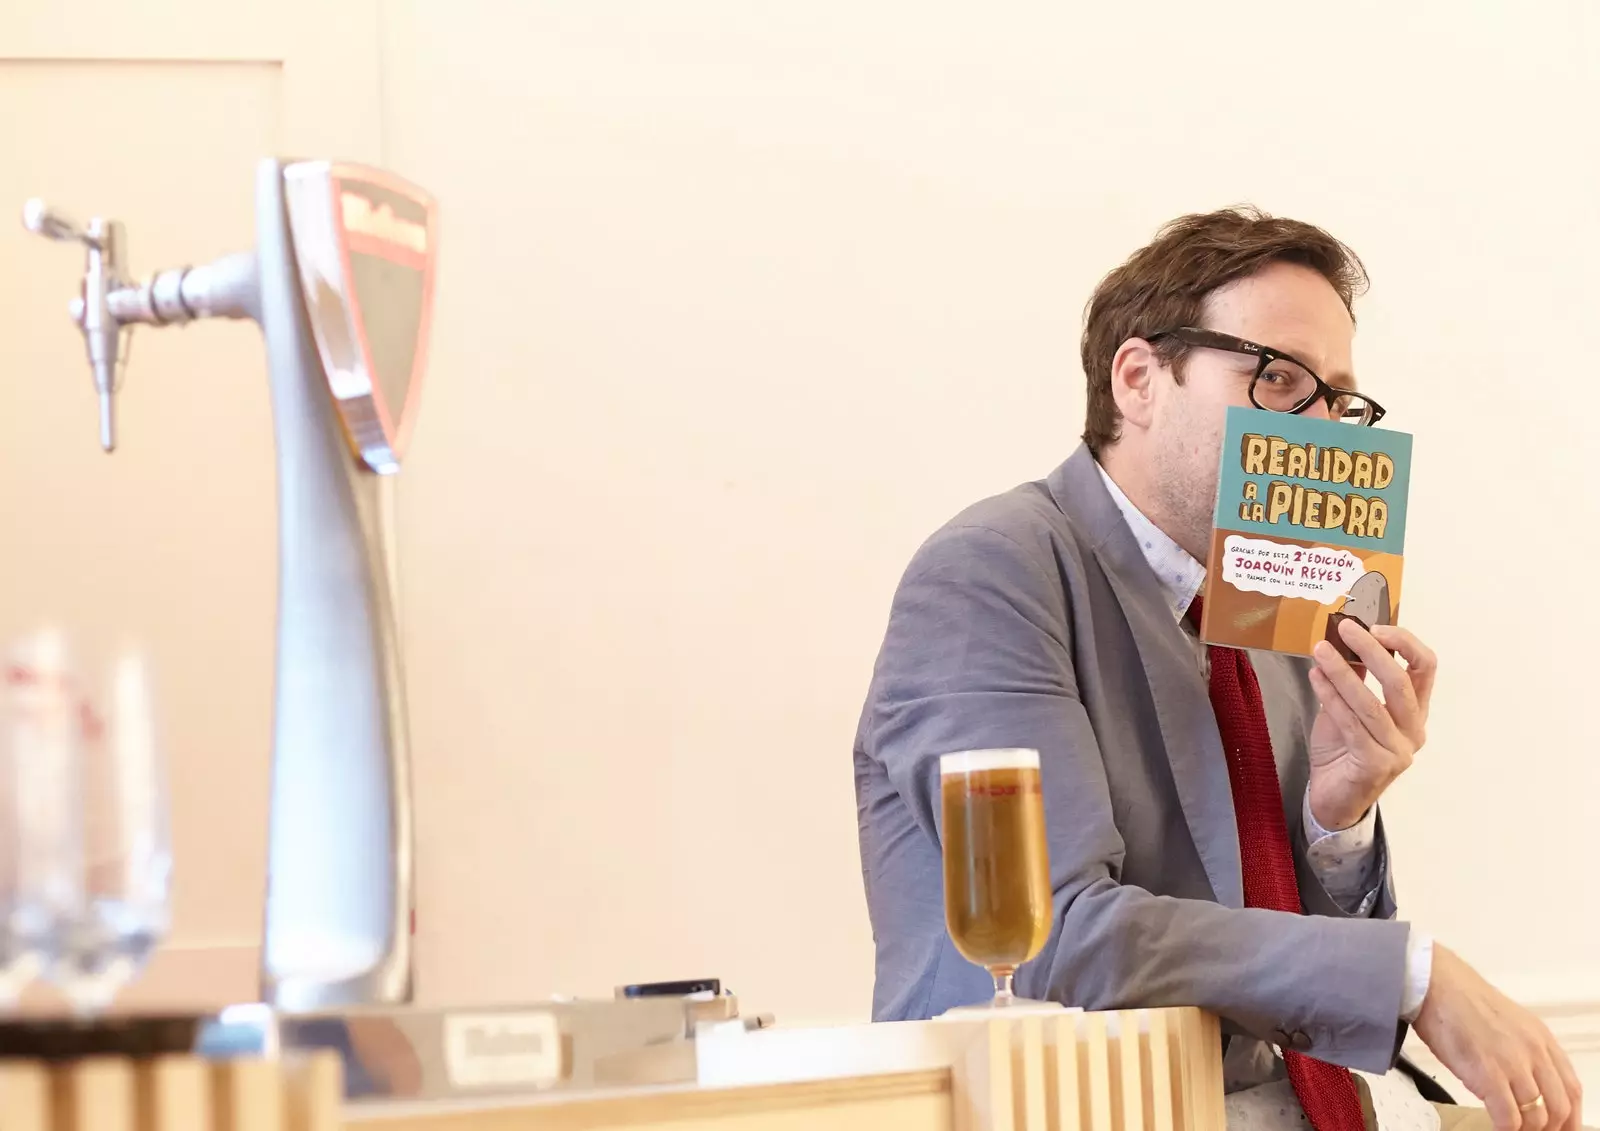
<point>1179,575</point>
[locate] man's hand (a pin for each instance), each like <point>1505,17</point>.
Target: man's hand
<point>1360,743</point>
<point>1507,1056</point>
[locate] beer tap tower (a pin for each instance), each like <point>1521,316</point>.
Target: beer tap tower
<point>341,284</point>
<point>345,368</point>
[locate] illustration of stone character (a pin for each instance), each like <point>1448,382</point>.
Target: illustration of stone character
<point>1367,602</point>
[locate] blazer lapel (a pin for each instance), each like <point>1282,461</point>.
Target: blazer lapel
<point>1182,701</point>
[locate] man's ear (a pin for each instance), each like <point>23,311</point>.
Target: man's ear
<point>1133,381</point>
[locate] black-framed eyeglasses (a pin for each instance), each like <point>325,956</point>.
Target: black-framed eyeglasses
<point>1281,382</point>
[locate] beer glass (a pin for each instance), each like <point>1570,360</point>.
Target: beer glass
<point>996,864</point>
<point>38,828</point>
<point>123,857</point>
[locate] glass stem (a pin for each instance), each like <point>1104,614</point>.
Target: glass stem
<point>1003,994</point>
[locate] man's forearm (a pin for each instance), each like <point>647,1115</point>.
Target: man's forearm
<point>1334,984</point>
<point>1350,864</point>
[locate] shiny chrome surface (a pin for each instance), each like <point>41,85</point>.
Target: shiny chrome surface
<point>224,289</point>
<point>105,243</point>
<point>102,334</point>
<point>338,923</point>
<point>413,1053</point>
<point>42,220</point>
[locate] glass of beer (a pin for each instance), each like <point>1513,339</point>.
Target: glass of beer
<point>996,864</point>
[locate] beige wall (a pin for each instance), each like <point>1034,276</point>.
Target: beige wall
<point>739,301</point>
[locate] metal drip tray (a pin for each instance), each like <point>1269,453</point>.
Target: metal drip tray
<point>405,1052</point>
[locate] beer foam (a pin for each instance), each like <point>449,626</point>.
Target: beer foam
<point>976,761</point>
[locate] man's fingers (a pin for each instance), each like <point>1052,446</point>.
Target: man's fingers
<point>1575,1090</point>
<point>1557,1106</point>
<point>1570,1081</point>
<point>1421,663</point>
<point>1367,706</point>
<point>1503,1109</point>
<point>1534,1102</point>
<point>1399,695</point>
<point>1354,732</point>
<point>1537,1117</point>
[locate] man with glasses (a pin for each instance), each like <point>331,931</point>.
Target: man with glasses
<point>1060,616</point>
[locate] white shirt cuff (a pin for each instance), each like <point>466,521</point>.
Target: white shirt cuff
<point>1419,972</point>
<point>1346,862</point>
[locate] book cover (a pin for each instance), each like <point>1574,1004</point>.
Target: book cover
<point>1310,529</point>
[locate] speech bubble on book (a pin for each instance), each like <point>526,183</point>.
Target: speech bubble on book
<point>1314,573</point>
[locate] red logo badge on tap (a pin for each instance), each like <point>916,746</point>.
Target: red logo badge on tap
<point>365,244</point>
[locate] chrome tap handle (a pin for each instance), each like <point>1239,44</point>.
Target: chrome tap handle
<point>102,333</point>
<point>40,219</point>
<point>105,243</point>
<point>109,305</point>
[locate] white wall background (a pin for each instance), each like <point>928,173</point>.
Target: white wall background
<point>740,300</point>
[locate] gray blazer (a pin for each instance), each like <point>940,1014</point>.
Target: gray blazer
<point>1032,619</point>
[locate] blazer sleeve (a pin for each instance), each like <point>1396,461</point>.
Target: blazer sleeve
<point>978,655</point>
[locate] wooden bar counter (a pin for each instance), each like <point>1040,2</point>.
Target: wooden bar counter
<point>1140,1070</point>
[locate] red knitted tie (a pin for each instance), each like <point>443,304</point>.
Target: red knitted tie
<point>1326,1091</point>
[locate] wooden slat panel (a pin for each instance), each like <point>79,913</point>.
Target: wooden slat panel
<point>1135,1070</point>
<point>249,1095</point>
<point>1189,1036</point>
<point>1028,1071</point>
<point>94,1094</point>
<point>24,1097</point>
<point>982,1087</point>
<point>1062,1037</point>
<point>1097,1058</point>
<point>1130,1072</point>
<point>1162,1075</point>
<point>174,1094</point>
<point>313,1092</point>
<point>1209,1095</point>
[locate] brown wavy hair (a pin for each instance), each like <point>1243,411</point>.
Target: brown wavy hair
<point>1165,284</point>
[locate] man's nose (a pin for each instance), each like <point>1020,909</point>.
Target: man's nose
<point>1319,409</point>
